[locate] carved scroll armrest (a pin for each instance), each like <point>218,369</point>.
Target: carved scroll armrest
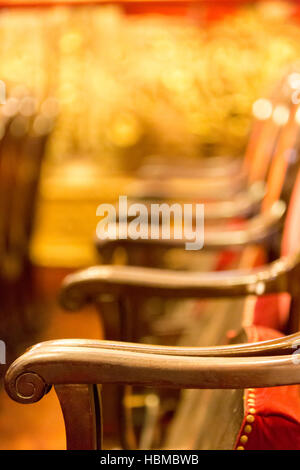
<point>89,284</point>
<point>96,362</point>
<point>74,367</point>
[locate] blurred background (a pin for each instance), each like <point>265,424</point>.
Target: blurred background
<point>129,81</point>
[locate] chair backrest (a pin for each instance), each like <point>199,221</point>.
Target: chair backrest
<point>274,310</point>
<point>260,148</point>
<point>280,183</point>
<point>271,116</point>
<point>291,234</point>
<point>285,161</point>
<point>221,423</point>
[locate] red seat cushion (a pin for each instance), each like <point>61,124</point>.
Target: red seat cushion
<point>271,415</point>
<point>272,311</point>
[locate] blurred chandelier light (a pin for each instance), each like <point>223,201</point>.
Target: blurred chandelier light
<point>281,114</point>
<point>294,81</point>
<point>126,86</point>
<point>262,109</point>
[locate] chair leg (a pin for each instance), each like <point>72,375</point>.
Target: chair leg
<point>81,408</point>
<point>130,311</point>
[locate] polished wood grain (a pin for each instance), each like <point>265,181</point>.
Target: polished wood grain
<point>89,284</point>
<point>71,366</point>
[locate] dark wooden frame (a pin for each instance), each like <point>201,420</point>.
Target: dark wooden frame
<point>89,284</point>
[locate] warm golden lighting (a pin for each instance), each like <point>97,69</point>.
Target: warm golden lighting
<point>129,86</point>
<point>294,80</point>
<point>262,109</point>
<point>281,114</point>
<point>297,115</point>
<point>124,130</point>
<point>124,87</point>
<point>28,106</point>
<point>11,107</point>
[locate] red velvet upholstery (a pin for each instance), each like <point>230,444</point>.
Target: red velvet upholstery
<point>271,415</point>
<point>272,311</point>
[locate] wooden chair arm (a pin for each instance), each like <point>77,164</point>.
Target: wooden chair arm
<point>77,362</point>
<point>196,188</point>
<point>75,367</point>
<point>284,345</point>
<point>221,165</point>
<point>89,284</point>
<point>244,204</point>
<point>259,229</point>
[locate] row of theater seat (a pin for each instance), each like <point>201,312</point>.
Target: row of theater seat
<point>237,361</point>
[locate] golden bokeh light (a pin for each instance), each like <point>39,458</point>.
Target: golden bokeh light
<point>262,109</point>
